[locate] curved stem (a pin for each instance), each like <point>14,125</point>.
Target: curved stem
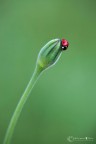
<point>20,105</point>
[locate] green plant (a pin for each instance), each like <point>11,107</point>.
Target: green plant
<point>47,57</point>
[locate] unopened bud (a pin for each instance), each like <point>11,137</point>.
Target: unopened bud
<point>50,53</point>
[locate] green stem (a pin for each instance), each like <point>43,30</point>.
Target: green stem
<point>20,105</point>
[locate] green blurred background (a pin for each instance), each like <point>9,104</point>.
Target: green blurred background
<point>63,102</point>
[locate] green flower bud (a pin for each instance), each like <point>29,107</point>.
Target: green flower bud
<point>50,53</point>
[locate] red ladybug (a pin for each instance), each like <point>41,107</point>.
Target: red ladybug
<point>64,44</point>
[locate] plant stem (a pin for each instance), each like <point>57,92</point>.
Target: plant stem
<point>20,105</point>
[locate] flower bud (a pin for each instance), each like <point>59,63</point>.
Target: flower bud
<point>49,54</point>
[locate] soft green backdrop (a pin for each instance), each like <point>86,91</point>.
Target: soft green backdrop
<point>63,102</point>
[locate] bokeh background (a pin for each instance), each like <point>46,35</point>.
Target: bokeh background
<point>63,102</point>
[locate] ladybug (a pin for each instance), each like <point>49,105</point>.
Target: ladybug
<point>64,44</point>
